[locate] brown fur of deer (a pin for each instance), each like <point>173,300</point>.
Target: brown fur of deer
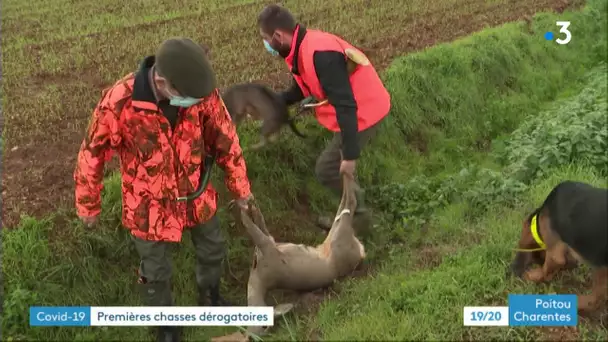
<point>289,266</point>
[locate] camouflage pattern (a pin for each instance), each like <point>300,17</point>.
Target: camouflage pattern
<point>157,164</point>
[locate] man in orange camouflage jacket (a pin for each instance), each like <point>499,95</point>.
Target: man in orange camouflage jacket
<point>162,121</point>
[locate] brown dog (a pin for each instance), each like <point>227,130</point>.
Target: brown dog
<point>258,102</point>
<point>288,266</point>
<point>571,225</point>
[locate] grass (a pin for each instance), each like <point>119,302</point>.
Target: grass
<point>91,44</point>
<point>403,303</point>
<point>57,56</point>
<point>450,103</point>
<point>465,252</point>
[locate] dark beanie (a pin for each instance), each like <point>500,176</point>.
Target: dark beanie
<point>185,65</point>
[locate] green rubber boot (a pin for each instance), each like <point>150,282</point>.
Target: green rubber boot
<point>362,220</point>
<point>159,294</point>
<point>211,295</point>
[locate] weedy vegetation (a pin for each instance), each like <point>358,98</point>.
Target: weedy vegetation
<point>481,129</point>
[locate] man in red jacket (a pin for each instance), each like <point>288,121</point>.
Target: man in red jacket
<point>162,121</point>
<point>328,68</point>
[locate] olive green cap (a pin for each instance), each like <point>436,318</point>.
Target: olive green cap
<point>185,65</point>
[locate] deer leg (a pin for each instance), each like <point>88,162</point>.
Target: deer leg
<point>256,291</point>
<point>259,144</point>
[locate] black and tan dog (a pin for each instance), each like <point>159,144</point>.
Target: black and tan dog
<point>297,267</point>
<point>258,102</point>
<point>571,225</point>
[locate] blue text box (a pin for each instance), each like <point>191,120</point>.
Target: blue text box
<point>542,310</point>
<point>60,316</point>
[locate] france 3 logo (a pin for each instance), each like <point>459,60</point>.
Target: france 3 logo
<point>563,30</point>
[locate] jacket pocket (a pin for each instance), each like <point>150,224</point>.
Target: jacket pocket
<point>205,206</point>
<point>136,202</point>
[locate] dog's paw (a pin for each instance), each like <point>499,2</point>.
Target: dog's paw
<point>534,275</point>
<point>234,337</point>
<point>571,263</point>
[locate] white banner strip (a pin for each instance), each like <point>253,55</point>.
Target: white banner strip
<point>489,316</point>
<point>182,316</point>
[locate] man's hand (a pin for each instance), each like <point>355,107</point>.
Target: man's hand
<point>348,167</point>
<point>89,221</point>
<point>243,203</point>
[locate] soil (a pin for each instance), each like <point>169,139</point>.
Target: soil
<point>37,177</point>
<point>38,167</point>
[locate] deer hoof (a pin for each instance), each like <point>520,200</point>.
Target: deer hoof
<point>282,309</point>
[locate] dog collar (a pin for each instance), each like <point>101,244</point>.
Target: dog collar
<point>534,231</point>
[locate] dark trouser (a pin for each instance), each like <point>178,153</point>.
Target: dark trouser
<point>327,168</point>
<point>155,267</point>
<point>328,163</point>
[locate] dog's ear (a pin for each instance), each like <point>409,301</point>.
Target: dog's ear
<point>526,240</point>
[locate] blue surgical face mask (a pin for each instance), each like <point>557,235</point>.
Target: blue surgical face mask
<point>270,49</point>
<point>185,102</point>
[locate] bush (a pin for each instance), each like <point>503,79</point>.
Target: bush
<point>573,131</point>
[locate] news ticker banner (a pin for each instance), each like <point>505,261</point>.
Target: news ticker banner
<point>85,316</point>
<point>526,310</point>
<point>523,310</point>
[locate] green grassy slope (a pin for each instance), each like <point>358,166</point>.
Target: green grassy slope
<point>449,103</point>
<point>471,249</point>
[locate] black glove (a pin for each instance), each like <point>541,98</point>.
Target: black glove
<point>291,95</point>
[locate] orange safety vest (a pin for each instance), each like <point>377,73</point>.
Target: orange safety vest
<point>372,98</point>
